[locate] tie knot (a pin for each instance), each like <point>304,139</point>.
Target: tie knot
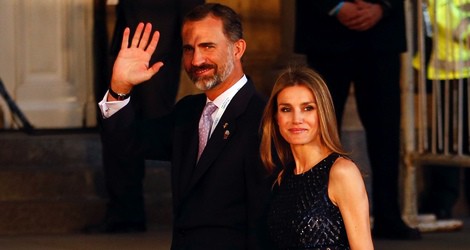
<point>209,109</point>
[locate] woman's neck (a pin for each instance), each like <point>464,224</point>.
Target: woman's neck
<point>307,156</point>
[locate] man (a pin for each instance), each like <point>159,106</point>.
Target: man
<point>219,196</point>
<point>153,98</point>
<point>361,42</point>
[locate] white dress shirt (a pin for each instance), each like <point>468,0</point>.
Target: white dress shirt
<point>109,108</point>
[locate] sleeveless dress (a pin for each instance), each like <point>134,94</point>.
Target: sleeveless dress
<point>302,216</point>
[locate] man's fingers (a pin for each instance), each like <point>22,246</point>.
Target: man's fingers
<point>125,38</point>
<point>152,71</point>
<point>137,34</point>
<point>145,37</point>
<point>153,43</point>
<point>155,67</point>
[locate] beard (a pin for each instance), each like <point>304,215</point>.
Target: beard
<point>209,82</point>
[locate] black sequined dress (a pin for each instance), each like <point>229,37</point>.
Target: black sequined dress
<point>302,216</point>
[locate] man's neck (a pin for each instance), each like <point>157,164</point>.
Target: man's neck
<point>222,87</point>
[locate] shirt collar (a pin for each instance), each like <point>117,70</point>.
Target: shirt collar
<point>224,99</point>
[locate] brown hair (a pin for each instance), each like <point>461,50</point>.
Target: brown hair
<point>329,135</point>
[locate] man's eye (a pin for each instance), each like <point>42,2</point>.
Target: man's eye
<point>186,49</point>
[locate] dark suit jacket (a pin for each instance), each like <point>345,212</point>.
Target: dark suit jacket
<point>220,202</point>
<point>319,33</point>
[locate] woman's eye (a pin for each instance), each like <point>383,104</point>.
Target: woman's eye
<point>309,108</point>
<point>285,109</point>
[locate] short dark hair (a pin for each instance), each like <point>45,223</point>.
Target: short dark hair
<point>232,24</point>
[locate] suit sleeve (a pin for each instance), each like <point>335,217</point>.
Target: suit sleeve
<point>258,186</point>
<point>259,194</point>
<point>127,137</point>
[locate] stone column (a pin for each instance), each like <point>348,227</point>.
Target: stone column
<point>46,60</point>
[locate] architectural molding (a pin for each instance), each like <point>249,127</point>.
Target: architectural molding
<point>50,74</point>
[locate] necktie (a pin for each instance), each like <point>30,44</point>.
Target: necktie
<point>205,126</point>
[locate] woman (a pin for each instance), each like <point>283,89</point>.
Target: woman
<point>320,201</point>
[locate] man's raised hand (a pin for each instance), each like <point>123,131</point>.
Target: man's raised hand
<point>132,63</point>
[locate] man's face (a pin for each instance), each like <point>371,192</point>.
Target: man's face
<point>207,53</point>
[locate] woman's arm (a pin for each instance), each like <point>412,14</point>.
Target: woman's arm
<point>347,190</point>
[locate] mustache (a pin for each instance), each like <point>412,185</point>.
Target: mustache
<point>202,67</point>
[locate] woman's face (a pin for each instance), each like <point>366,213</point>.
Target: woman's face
<point>297,116</point>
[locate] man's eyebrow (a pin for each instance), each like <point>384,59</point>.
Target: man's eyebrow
<point>205,44</point>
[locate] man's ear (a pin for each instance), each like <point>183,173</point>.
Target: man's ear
<point>239,48</point>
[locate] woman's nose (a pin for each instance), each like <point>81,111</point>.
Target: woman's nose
<point>297,116</point>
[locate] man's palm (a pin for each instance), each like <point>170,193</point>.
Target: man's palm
<point>132,63</point>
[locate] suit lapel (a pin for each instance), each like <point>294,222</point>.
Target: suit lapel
<point>188,142</point>
<point>223,133</point>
